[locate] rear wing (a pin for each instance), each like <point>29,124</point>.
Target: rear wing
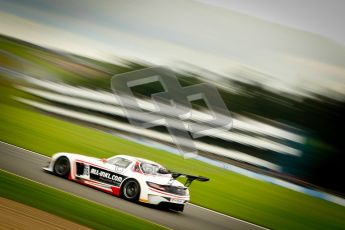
<point>190,178</point>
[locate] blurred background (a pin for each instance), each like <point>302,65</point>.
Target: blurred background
<point>278,65</point>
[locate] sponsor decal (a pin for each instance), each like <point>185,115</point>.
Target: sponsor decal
<point>106,176</point>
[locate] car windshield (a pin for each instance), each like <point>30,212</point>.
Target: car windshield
<point>152,168</point>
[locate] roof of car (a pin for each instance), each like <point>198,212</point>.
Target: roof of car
<point>136,159</point>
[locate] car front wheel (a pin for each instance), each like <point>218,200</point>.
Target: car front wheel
<point>62,167</point>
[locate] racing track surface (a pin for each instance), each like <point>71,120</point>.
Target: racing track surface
<point>29,164</point>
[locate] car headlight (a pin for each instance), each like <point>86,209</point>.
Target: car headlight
<point>156,186</point>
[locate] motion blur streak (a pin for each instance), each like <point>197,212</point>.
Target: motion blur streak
<point>148,133</point>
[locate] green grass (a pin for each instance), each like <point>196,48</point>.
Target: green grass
<point>227,192</point>
<point>67,206</point>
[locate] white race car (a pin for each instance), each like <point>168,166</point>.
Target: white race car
<point>132,178</point>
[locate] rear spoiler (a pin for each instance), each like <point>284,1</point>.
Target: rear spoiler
<point>190,178</point>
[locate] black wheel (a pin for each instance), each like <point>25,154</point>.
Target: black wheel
<point>131,190</point>
<point>62,167</point>
<point>178,208</point>
<point>172,206</point>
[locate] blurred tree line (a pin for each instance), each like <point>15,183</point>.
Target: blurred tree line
<point>320,118</point>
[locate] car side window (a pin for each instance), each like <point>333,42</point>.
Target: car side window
<point>120,162</point>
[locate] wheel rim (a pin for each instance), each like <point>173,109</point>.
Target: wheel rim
<point>131,190</point>
<point>62,166</point>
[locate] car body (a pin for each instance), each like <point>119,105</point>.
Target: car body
<point>132,178</point>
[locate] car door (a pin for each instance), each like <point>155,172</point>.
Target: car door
<point>110,172</point>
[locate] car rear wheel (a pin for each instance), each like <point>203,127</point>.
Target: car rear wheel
<point>172,206</point>
<point>178,208</point>
<point>62,167</point>
<point>131,190</point>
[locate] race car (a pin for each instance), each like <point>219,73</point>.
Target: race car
<point>132,178</point>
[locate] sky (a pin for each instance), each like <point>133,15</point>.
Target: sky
<point>322,17</point>
<point>293,46</point>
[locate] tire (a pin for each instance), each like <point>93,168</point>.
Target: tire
<point>172,206</point>
<point>179,208</point>
<point>62,167</point>
<point>130,190</point>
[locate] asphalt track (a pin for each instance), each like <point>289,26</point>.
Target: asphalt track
<point>29,164</point>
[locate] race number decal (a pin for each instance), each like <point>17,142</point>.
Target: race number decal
<point>105,176</point>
